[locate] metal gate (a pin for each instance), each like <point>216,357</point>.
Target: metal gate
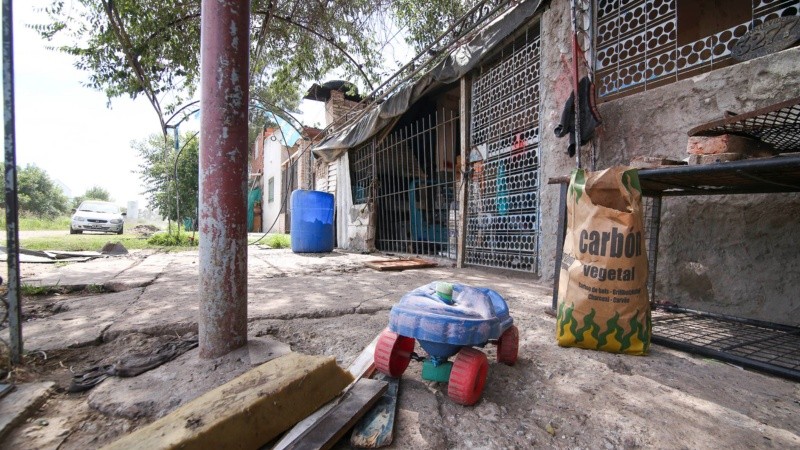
<point>414,173</point>
<point>503,228</point>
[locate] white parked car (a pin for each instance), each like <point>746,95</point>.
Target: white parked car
<point>95,215</point>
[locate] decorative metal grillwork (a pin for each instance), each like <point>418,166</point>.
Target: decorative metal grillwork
<point>640,45</point>
<point>415,174</point>
<point>503,198</point>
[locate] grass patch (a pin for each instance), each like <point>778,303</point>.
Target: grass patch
<point>30,290</point>
<point>174,240</point>
<point>82,242</point>
<point>95,242</point>
<point>27,222</point>
<point>277,241</point>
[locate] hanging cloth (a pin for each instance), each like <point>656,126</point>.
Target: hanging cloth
<point>590,117</point>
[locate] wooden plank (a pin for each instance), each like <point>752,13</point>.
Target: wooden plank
<point>376,428</point>
<point>650,162</point>
<point>355,403</point>
<point>715,158</point>
<point>399,264</point>
<point>462,196</point>
<point>362,367</point>
<point>364,363</point>
<point>248,411</point>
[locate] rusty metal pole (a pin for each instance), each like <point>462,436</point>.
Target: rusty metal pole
<point>224,64</point>
<point>13,304</point>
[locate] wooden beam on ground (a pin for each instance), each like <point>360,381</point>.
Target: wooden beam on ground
<point>362,367</point>
<point>336,422</point>
<point>463,111</point>
<point>376,428</point>
<point>399,264</point>
<point>248,411</point>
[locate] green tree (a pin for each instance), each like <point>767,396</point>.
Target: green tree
<point>152,48</point>
<point>424,24</point>
<point>93,193</point>
<point>158,173</point>
<point>37,194</point>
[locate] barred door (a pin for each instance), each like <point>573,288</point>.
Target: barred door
<point>503,200</point>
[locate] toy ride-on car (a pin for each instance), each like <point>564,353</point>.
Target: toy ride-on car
<point>448,319</point>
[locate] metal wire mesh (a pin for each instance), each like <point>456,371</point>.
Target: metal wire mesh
<point>769,347</point>
<point>643,43</point>
<point>503,197</point>
<point>652,224</point>
<point>779,127</point>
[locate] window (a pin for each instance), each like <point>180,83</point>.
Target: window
<point>642,44</point>
<point>271,190</point>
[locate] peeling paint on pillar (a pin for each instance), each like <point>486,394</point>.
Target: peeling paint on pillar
<point>223,176</point>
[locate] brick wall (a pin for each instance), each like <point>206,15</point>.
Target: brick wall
<point>338,106</point>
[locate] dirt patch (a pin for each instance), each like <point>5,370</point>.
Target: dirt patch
<point>552,398</point>
<point>144,231</point>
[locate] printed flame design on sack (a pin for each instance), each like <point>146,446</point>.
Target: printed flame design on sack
<point>602,296</point>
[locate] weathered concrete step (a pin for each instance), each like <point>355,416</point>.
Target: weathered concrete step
<point>18,405</point>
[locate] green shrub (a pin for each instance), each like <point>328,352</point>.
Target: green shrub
<point>31,290</point>
<point>173,240</point>
<point>278,241</point>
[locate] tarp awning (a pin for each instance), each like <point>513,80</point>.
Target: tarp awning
<point>457,64</point>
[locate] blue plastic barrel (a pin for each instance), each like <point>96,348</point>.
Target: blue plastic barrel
<point>312,221</point>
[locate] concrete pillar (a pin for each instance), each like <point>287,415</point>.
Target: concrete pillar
<point>133,211</point>
<point>224,61</point>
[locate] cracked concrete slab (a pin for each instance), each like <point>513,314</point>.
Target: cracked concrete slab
<point>18,405</point>
<point>283,262</point>
<point>142,273</point>
<point>95,272</point>
<point>155,393</point>
<point>81,323</point>
<point>552,398</point>
<point>162,308</point>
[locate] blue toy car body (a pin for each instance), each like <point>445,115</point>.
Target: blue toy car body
<point>475,316</point>
<point>449,319</point>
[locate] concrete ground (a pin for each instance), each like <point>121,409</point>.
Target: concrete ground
<point>332,304</point>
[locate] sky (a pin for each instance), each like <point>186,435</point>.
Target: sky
<point>69,130</point>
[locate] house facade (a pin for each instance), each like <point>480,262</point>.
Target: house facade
<point>455,164</point>
<point>278,169</point>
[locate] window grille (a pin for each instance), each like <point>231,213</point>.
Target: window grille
<point>642,44</point>
<point>503,195</point>
<point>361,171</point>
<point>414,185</point>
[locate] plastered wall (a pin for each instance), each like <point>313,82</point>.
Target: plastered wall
<point>736,255</point>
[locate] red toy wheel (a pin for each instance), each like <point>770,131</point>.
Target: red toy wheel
<point>393,353</point>
<point>508,346</point>
<point>468,376</point>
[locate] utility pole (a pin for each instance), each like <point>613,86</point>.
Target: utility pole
<point>224,61</point>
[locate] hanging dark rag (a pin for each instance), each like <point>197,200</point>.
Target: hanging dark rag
<point>590,117</point>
